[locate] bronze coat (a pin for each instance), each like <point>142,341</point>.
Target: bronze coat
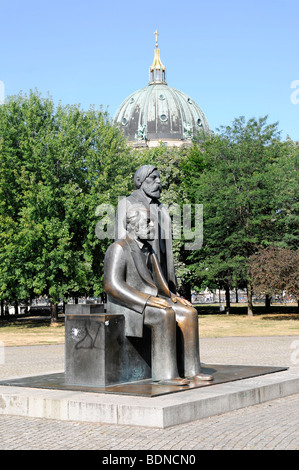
<point>162,245</point>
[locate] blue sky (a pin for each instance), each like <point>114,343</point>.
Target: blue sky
<point>232,57</point>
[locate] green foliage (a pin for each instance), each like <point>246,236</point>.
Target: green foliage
<point>285,192</point>
<point>56,167</point>
<point>58,164</point>
<point>233,177</point>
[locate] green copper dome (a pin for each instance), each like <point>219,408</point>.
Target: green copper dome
<point>160,113</point>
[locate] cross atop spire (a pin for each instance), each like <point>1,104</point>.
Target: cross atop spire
<point>157,69</point>
<point>156,34</point>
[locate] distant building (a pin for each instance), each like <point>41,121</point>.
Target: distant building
<point>159,114</point>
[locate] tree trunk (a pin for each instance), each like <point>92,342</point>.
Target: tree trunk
<point>16,305</point>
<point>6,309</point>
<point>227,300</point>
<point>54,312</point>
<point>2,308</point>
<point>267,303</point>
<point>249,300</point>
<point>237,297</point>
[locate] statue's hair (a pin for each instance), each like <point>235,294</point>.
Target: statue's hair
<point>132,214</point>
<point>142,173</point>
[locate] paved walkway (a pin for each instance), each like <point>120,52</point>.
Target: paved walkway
<point>271,425</point>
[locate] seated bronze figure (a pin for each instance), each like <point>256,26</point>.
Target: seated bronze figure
<point>136,287</point>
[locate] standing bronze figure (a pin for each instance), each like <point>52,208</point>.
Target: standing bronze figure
<point>147,193</point>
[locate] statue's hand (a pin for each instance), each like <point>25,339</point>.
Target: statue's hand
<point>158,302</point>
<point>176,298</point>
<point>184,301</point>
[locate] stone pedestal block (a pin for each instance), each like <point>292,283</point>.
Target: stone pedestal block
<point>97,352</point>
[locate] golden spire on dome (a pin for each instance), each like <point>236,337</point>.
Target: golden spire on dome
<point>157,69</point>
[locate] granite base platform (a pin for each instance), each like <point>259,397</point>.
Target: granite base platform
<point>145,403</point>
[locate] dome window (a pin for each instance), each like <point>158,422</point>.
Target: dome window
<point>131,100</point>
<point>124,122</point>
<point>163,118</point>
<point>199,123</point>
<point>162,97</point>
<point>189,100</point>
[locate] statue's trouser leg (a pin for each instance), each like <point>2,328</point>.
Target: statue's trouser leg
<point>188,343</point>
<point>163,325</point>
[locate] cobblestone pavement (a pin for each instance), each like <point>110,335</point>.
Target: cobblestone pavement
<point>273,425</point>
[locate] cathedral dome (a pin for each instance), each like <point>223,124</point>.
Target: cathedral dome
<point>159,113</point>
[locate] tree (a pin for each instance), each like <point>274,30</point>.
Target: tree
<point>231,175</point>
<point>275,270</point>
<point>56,166</point>
<point>286,202</point>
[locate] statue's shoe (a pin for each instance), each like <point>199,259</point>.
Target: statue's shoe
<point>201,376</point>
<point>176,381</point>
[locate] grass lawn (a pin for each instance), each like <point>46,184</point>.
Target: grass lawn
<point>213,326</point>
<point>281,321</point>
<point>31,331</point>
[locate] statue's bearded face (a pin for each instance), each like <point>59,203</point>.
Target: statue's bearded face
<point>152,185</point>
